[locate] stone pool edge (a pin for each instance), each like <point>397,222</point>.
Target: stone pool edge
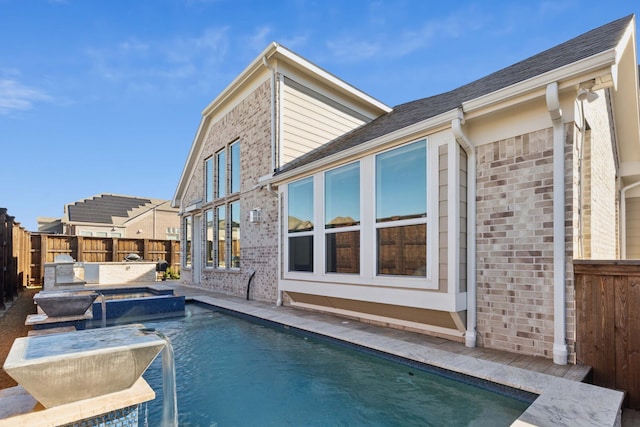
<point>560,401</point>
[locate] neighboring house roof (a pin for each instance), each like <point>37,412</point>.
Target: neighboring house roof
<point>109,209</point>
<point>602,39</point>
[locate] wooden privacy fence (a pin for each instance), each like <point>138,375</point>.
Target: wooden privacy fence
<point>14,257</point>
<point>45,247</point>
<point>608,323</point>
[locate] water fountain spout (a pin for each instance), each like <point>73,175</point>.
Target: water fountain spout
<point>169,391</point>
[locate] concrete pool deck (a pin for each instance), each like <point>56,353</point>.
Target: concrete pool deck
<point>563,399</point>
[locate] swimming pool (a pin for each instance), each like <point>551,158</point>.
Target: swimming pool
<point>233,372</point>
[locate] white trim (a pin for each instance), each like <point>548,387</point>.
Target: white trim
<point>453,211</point>
<point>590,64</point>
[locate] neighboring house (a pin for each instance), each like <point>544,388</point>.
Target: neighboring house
<point>110,215</point>
<point>456,215</point>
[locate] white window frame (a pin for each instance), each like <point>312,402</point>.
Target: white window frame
<point>368,229</point>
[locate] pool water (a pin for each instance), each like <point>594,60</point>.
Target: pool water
<point>231,372</point>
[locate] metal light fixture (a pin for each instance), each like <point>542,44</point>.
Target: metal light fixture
<point>586,93</point>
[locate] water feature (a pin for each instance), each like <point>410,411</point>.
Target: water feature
<point>72,366</point>
<point>135,304</point>
<point>234,372</point>
<point>169,391</point>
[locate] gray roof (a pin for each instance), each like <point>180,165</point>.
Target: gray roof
<point>101,209</point>
<point>588,44</point>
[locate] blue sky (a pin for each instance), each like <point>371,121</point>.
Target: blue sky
<point>105,96</point>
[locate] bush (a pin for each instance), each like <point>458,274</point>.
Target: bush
<point>172,273</point>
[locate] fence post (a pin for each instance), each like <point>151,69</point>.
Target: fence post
<point>145,250</point>
<point>12,267</point>
<point>3,255</point>
<point>114,250</point>
<point>80,248</point>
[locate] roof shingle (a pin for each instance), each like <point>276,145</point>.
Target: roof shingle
<point>584,46</point>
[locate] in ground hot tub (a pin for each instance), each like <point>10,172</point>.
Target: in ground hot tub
<point>135,304</point>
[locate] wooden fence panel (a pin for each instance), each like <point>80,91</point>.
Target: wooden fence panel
<point>608,323</point>
<point>97,249</point>
<point>129,246</point>
<point>45,247</point>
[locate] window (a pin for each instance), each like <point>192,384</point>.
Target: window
<point>401,210</point>
<point>225,215</point>
<point>187,243</point>
<point>208,180</point>
<point>300,228</point>
<point>234,185</point>
<point>209,256</point>
<point>235,234</point>
<point>221,236</point>
<point>379,201</point>
<point>173,233</point>
<point>342,219</point>
<point>221,169</point>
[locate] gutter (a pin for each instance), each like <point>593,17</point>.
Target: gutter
<point>470,338</point>
<point>560,352</point>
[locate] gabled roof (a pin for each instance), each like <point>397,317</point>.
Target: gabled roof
<point>259,68</point>
<point>602,39</point>
<point>109,209</point>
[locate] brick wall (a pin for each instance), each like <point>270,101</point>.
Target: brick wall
<point>600,182</point>
<point>248,122</point>
<point>515,244</point>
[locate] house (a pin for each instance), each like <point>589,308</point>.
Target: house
<point>112,215</point>
<point>456,215</point>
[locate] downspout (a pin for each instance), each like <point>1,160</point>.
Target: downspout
<point>560,353</point>
<point>273,113</point>
<point>623,218</point>
<point>470,338</point>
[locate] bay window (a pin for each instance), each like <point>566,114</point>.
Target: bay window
<point>374,215</point>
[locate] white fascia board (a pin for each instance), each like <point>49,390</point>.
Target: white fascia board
<point>275,50</point>
<point>196,146</point>
<point>431,125</point>
<point>604,60</point>
<point>626,38</point>
<point>240,79</point>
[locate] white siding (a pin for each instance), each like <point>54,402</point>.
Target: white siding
<point>633,227</point>
<point>310,119</point>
